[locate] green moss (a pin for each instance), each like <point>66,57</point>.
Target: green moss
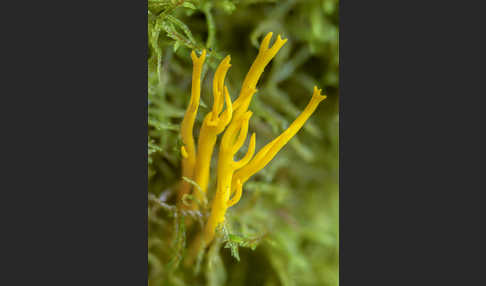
<point>284,231</point>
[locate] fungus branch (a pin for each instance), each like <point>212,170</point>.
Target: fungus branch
<point>213,124</point>
<point>265,55</point>
<point>188,149</point>
<point>268,152</point>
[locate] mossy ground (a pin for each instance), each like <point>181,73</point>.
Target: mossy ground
<point>284,231</point>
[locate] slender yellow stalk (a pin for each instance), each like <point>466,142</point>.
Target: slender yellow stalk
<point>213,124</point>
<point>188,148</point>
<point>265,55</point>
<point>268,152</point>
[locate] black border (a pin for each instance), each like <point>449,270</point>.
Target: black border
<point>78,171</point>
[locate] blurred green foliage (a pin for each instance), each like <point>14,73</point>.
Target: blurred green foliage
<point>284,231</point>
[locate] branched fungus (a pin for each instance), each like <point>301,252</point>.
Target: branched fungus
<point>231,175</point>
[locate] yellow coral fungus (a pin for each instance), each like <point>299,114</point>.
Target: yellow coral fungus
<point>231,175</point>
<point>188,149</point>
